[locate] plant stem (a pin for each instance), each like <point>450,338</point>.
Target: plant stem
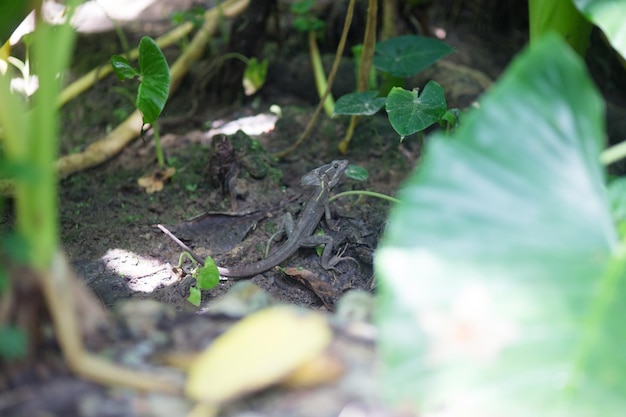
<point>331,79</point>
<point>36,199</point>
<point>613,154</point>
<point>367,57</point>
<point>319,75</point>
<point>367,193</point>
<point>187,255</point>
<point>157,146</point>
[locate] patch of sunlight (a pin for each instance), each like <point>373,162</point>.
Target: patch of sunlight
<point>142,273</point>
<point>251,125</point>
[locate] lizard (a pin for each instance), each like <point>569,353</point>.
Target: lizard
<point>322,180</point>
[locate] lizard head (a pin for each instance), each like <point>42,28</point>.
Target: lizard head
<point>328,175</point>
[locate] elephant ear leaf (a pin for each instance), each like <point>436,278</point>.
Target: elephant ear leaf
<point>155,80</point>
<point>500,293</point>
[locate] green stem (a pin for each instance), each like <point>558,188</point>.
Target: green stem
<point>613,154</point>
<point>187,255</point>
<point>157,146</point>
<point>319,75</point>
<point>235,55</point>
<point>36,198</point>
<point>367,193</point>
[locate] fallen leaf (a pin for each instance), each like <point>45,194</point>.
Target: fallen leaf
<point>325,287</point>
<point>155,181</point>
<point>258,351</point>
<point>322,369</point>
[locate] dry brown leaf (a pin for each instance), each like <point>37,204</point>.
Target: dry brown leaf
<point>155,181</point>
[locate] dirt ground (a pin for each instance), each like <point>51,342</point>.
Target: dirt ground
<point>108,222</point>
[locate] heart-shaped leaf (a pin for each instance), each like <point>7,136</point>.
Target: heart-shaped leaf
<point>407,55</point>
<point>499,294</point>
<point>207,276</point>
<point>410,112</point>
<point>364,103</point>
<point>155,80</point>
<point>122,68</point>
<point>195,296</point>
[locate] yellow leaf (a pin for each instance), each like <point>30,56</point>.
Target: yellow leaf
<point>258,351</point>
<point>155,181</point>
<point>323,369</point>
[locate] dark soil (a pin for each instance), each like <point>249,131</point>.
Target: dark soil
<point>108,222</point>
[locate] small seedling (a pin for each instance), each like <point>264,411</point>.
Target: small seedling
<point>254,76</point>
<point>154,87</point>
<point>206,277</point>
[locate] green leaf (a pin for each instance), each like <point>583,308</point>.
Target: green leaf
<point>356,172</point>
<point>15,247</point>
<point>4,280</point>
<point>359,104</point>
<point>122,68</point>
<point>499,296</point>
<point>207,276</point>
<point>608,15</point>
<point>410,112</point>
<point>155,80</point>
<point>451,118</point>
<point>194,296</point>
<point>617,197</point>
<point>254,75</point>
<point>302,7</point>
<point>12,343</point>
<point>407,55</point>
<point>19,171</point>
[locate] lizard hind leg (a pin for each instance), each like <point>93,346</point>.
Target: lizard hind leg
<point>340,258</point>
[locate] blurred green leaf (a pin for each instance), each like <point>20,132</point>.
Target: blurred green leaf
<point>12,343</point>
<point>308,24</point>
<point>15,247</point>
<point>155,80</point>
<point>365,103</point>
<point>302,7</point>
<point>617,197</point>
<point>10,169</point>
<point>194,15</point>
<point>410,112</point>
<point>407,55</point>
<point>608,15</point>
<point>4,280</point>
<point>254,75</point>
<point>499,295</point>
<point>12,13</point>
